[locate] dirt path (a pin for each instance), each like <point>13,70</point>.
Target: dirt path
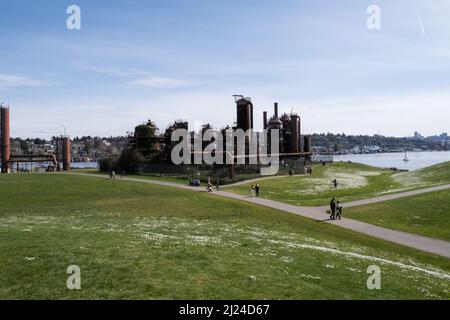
<point>435,246</point>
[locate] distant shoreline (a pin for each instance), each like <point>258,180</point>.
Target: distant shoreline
<point>417,160</point>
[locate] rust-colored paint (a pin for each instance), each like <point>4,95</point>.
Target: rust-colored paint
<point>5,139</point>
<point>66,153</point>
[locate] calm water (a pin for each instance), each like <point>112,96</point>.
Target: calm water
<point>84,165</point>
<point>417,160</point>
<point>78,165</point>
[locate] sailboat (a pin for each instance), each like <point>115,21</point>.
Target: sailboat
<point>406,159</point>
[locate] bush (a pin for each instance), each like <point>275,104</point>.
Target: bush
<point>130,160</point>
<point>108,164</point>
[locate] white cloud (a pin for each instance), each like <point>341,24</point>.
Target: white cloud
<point>396,115</point>
<point>159,82</point>
<point>11,80</point>
<point>112,71</point>
<point>139,77</point>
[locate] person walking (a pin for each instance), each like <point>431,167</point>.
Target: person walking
<point>113,175</point>
<point>332,208</point>
<point>338,210</point>
<point>110,174</point>
<point>217,184</point>
<point>252,191</point>
<point>257,190</point>
<point>335,183</point>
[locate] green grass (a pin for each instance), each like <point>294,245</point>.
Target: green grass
<point>355,181</point>
<point>433,175</point>
<point>139,241</point>
<point>174,179</point>
<point>426,214</point>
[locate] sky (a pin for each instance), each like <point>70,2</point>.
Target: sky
<point>184,59</point>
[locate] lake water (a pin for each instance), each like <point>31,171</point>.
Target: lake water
<point>84,165</point>
<point>417,160</point>
<point>76,165</point>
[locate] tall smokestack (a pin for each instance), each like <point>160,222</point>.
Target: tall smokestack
<point>295,134</point>
<point>275,107</point>
<point>265,120</point>
<point>66,153</point>
<point>5,139</point>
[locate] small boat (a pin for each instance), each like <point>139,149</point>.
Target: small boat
<point>406,159</point>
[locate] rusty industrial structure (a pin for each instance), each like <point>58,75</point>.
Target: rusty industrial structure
<point>294,148</point>
<point>8,159</point>
<point>5,139</point>
<point>244,112</point>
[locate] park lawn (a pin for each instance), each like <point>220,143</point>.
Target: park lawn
<point>140,241</point>
<point>174,179</point>
<point>427,214</point>
<point>355,182</point>
<point>434,175</point>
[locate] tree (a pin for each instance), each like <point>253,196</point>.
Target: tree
<point>24,146</point>
<point>130,160</point>
<point>146,140</point>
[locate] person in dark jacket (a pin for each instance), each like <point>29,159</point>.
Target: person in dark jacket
<point>332,208</point>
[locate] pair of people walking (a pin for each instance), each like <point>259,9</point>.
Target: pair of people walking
<point>112,174</point>
<point>336,209</point>
<point>254,191</point>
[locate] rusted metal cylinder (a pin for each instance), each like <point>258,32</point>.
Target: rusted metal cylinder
<point>265,120</point>
<point>294,145</point>
<point>307,144</point>
<point>66,153</point>
<point>244,112</point>
<point>5,139</point>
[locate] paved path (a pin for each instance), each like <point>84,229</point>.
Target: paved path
<point>397,196</point>
<point>250,181</point>
<point>438,247</point>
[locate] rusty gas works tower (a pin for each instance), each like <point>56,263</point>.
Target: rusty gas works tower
<point>5,151</point>
<point>244,112</point>
<point>66,152</point>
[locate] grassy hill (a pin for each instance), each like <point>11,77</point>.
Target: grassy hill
<point>140,241</point>
<point>426,214</point>
<point>434,175</point>
<point>355,181</point>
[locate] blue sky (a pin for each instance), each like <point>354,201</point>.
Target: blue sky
<point>167,60</point>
